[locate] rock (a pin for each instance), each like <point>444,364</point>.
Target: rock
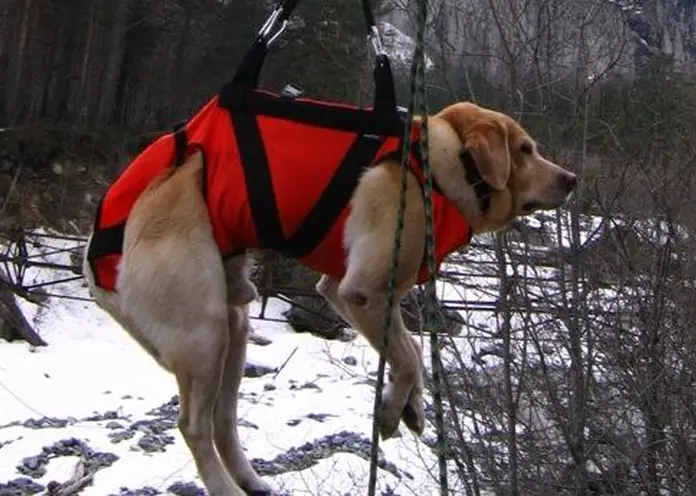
<point>98,417</point>
<point>306,385</point>
<point>257,370</point>
<point>350,360</point>
<point>308,454</point>
<point>314,316</point>
<point>21,486</point>
<point>319,417</point>
<point>155,443</point>
<point>118,436</point>
<point>35,466</point>
<point>259,340</point>
<point>45,423</point>
<point>186,489</point>
<point>145,491</point>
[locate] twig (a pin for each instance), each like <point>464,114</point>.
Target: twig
<point>280,369</point>
<point>10,191</point>
<point>76,483</point>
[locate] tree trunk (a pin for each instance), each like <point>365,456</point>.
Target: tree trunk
<point>83,104</point>
<point>109,84</point>
<point>13,324</point>
<point>15,101</point>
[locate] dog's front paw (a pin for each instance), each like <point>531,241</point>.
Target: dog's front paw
<point>389,414</point>
<point>414,415</point>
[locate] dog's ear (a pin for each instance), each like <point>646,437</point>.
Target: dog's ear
<point>487,143</point>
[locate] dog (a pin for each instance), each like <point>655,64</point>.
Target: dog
<point>187,305</point>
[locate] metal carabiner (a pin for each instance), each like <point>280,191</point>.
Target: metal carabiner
<point>272,39</point>
<point>270,22</point>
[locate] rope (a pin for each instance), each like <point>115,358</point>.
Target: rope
<point>418,99</point>
<point>432,313</point>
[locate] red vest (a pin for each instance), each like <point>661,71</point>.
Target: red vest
<point>287,187</point>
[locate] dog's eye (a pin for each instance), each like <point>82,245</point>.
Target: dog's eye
<point>527,148</point>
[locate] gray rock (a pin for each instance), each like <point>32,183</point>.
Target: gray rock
<point>257,370</point>
<point>186,489</point>
<point>45,423</point>
<point>319,417</point>
<point>145,491</point>
<point>22,486</point>
<point>308,454</point>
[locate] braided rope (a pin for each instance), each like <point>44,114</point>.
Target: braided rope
<point>417,105</point>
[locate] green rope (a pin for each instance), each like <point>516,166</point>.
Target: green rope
<point>432,314</point>
<point>418,96</point>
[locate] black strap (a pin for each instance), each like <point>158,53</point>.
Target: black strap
<point>385,96</point>
<point>262,201</point>
<point>482,189</point>
<point>335,196</point>
<point>313,113</point>
<point>180,143</point>
<point>236,92</point>
<point>369,17</point>
<point>103,242</point>
<point>264,210</point>
<point>249,70</point>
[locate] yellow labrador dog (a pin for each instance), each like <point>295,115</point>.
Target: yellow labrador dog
<point>187,305</point>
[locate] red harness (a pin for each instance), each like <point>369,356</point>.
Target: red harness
<point>287,199</point>
<point>279,171</point>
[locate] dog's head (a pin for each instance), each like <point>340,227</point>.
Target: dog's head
<point>491,167</point>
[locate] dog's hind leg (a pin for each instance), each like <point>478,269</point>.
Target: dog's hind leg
<point>198,377</point>
<point>172,295</point>
<point>240,292</point>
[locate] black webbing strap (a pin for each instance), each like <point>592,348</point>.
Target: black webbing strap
<point>106,241</point>
<point>249,70</point>
<point>482,189</point>
<point>335,196</point>
<point>369,17</point>
<point>264,210</point>
<point>235,93</point>
<point>262,201</point>
<point>180,143</point>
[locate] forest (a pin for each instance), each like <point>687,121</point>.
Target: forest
<point>590,391</point>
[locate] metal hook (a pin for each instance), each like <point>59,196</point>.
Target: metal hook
<point>270,22</point>
<point>277,34</point>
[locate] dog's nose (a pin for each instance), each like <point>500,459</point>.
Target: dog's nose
<point>568,181</point>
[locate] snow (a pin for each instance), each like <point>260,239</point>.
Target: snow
<point>92,366</point>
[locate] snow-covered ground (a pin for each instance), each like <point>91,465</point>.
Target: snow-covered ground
<point>94,394</point>
<point>94,399</point>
